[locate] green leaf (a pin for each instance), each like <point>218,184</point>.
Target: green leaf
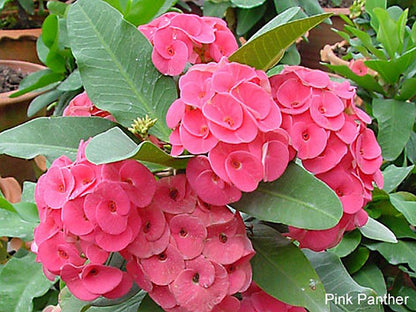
<point>395,123</point>
<point>247,4</point>
<point>247,18</point>
<point>57,7</point>
<point>280,19</point>
<point>402,252</point>
<point>355,261</point>
<point>365,40</point>
<point>393,176</point>
<point>406,204</point>
<point>266,50</point>
<point>338,282</point>
<point>35,137</point>
<point>391,70</point>
<point>27,212</point>
<point>72,82</point>
<point>375,230</point>
<point>42,101</point>
<point>371,276</point>
<point>50,30</point>
<point>367,82</point>
<point>349,242</point>
<point>21,280</point>
<point>114,60</point>
<point>28,6</point>
<point>12,225</point>
<point>28,194</point>
<point>399,226</point>
<point>3,3</point>
<point>211,8</point>
<point>278,262</point>
<point>293,200</point>
<point>148,305</point>
<point>407,90</point>
<point>69,303</point>
<point>114,145</point>
<point>130,305</point>
<point>144,11</point>
<point>387,32</point>
<point>36,81</point>
<point>410,148</point>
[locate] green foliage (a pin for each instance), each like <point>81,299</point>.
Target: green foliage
<point>277,262</point>
<point>18,287</point>
<point>140,12</point>
<point>292,200</point>
<point>348,244</point>
<point>129,85</point>
<point>377,231</point>
<point>371,276</point>
<point>29,140</point>
<point>115,145</point>
<point>336,280</point>
<point>261,55</point>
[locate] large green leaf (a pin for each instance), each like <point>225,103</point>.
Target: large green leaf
<point>406,204</point>
<point>278,262</point>
<point>114,60</point>
<point>266,50</point>
<point>356,260</point>
<point>338,282</point>
<point>297,198</point>
<point>247,18</point>
<point>12,225</point>
<point>69,303</point>
<point>393,176</point>
<point>21,280</point>
<point>130,305</point>
<point>51,137</point>
<point>370,276</point>
<point>402,252</point>
<point>395,123</point>
<point>114,145</point>
<point>375,230</point>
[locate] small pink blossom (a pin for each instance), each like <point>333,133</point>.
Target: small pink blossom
<point>358,67</point>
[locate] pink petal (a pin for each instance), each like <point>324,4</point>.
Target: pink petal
<point>244,170</point>
<point>100,279</point>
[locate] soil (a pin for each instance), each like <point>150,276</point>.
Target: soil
<point>10,79</point>
<point>329,4</point>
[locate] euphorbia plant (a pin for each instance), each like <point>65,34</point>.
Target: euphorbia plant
<point>144,193</point>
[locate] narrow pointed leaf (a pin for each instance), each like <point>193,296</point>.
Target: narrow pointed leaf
<point>375,230</point>
<point>297,198</point>
<point>114,61</point>
<point>393,176</point>
<point>266,50</point>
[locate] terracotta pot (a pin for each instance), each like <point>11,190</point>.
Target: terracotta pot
<point>11,189</point>
<point>13,112</point>
<point>19,44</point>
<point>319,37</point>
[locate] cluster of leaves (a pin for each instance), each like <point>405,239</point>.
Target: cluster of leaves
<point>388,47</point>
<point>386,40</point>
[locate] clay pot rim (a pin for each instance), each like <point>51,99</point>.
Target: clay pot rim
<point>16,34</point>
<point>337,11</point>
<point>27,68</point>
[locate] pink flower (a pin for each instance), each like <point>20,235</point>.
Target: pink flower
<point>256,300</point>
<point>182,38</point>
<point>367,152</point>
<point>58,186</point>
<point>191,293</point>
<point>208,186</point>
<point>358,67</point>
<point>308,139</point>
<point>81,106</point>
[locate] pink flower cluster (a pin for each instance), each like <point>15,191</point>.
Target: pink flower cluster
<point>226,110</point>
<point>82,106</point>
<point>256,300</point>
<point>330,136</point>
<point>190,256</point>
<point>181,38</point>
<point>87,211</point>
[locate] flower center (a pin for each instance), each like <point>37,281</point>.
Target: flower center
<point>62,254</point>
<point>195,278</point>
<point>223,238</point>
<point>112,206</point>
<point>170,51</point>
<point>61,188</point>
<point>229,121</point>
<point>305,136</point>
<point>162,256</point>
<point>339,192</point>
<point>173,194</point>
<point>146,227</point>
<point>236,164</point>
<point>183,232</point>
<point>322,109</point>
